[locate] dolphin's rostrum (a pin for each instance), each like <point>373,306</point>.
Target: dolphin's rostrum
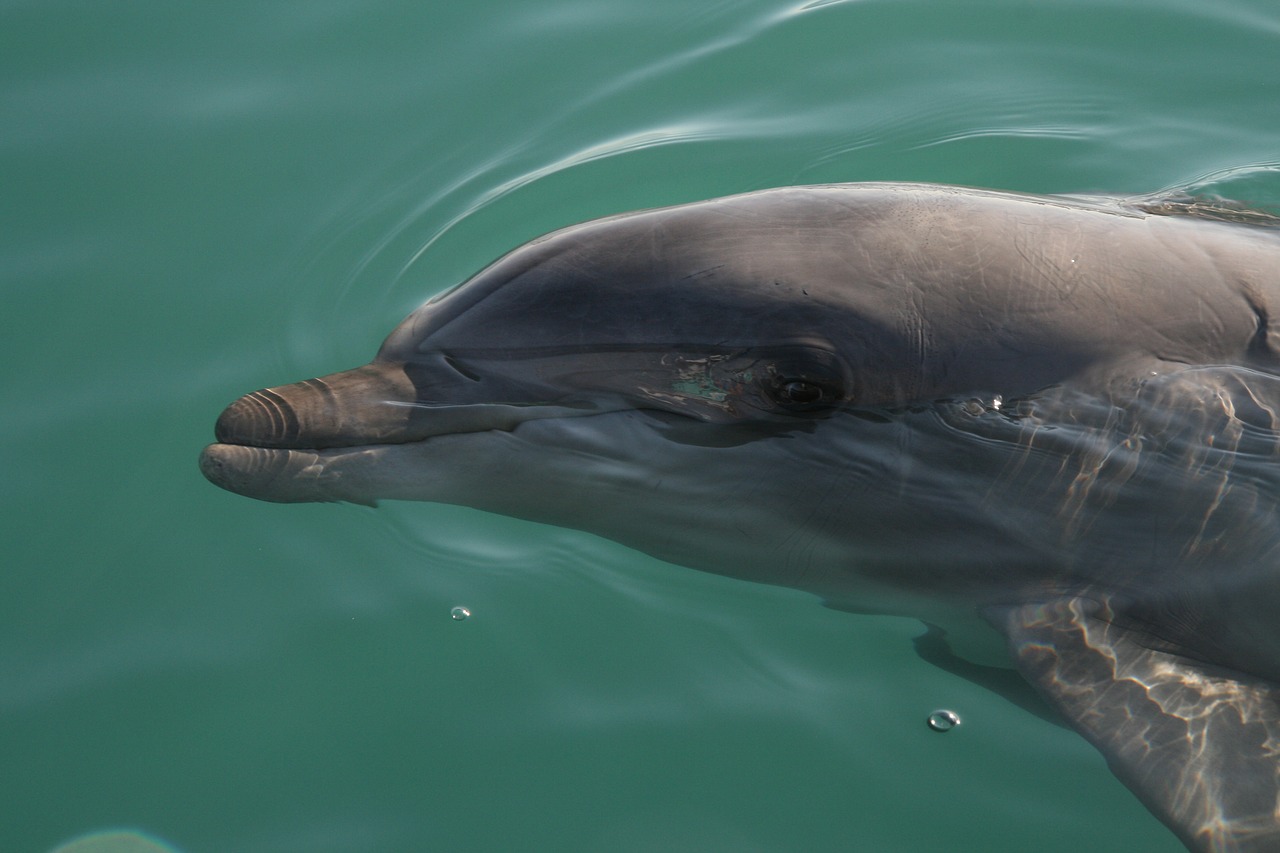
<point>1047,426</point>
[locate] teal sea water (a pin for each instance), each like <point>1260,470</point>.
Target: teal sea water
<point>201,199</point>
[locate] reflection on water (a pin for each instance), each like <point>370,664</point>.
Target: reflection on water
<point>116,841</point>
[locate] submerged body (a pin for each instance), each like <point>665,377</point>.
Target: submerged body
<point>1041,424</point>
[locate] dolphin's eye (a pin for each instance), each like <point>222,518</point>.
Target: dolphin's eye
<point>792,379</point>
<point>801,394</point>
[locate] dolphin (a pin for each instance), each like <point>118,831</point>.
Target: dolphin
<point>1049,427</point>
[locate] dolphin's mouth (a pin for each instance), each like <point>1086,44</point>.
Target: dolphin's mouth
<point>281,443</point>
<point>281,470</point>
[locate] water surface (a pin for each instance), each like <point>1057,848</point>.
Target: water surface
<point>198,201</point>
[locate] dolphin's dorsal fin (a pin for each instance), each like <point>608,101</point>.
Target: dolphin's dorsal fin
<point>1200,747</point>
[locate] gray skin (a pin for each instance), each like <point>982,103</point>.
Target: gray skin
<point>1046,426</point>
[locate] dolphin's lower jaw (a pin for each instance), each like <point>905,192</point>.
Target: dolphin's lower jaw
<point>268,474</point>
<point>361,475</point>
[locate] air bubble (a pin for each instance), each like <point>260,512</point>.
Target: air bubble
<point>943,721</point>
<point>460,613</point>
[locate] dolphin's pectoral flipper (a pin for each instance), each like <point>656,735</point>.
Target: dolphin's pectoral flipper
<point>1201,748</point>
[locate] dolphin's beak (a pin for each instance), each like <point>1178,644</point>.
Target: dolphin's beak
<point>272,440</point>
<point>373,404</point>
<point>301,442</point>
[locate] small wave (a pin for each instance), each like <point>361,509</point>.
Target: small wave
<point>1253,185</point>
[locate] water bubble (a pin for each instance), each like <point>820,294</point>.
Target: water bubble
<point>459,613</point>
<point>943,720</point>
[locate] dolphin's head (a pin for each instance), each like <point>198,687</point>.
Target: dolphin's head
<point>697,313</point>
<point>721,361</point>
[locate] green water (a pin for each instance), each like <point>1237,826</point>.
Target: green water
<point>200,199</point>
